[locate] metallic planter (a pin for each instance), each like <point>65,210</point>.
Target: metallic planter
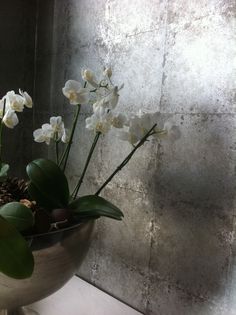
<point>57,256</point>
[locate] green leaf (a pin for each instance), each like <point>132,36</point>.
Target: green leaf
<point>49,186</point>
<point>3,171</point>
<point>18,215</point>
<point>93,205</point>
<point>16,259</point>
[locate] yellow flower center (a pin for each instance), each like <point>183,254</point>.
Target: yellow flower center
<point>72,95</point>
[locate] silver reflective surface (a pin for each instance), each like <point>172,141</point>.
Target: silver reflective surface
<point>57,256</point>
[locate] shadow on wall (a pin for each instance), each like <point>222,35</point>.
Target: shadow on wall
<point>193,195</point>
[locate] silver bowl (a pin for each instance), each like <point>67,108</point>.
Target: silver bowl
<point>57,256</point>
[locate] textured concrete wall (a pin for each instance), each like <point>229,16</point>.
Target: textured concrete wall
<point>17,33</point>
<point>174,252</point>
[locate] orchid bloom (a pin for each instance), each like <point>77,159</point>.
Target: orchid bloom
<point>14,101</point>
<point>107,72</point>
<point>55,130</point>
<point>10,118</point>
<point>57,126</point>
<point>65,136</point>
<point>109,101</point>
<point>138,126</point>
<point>27,98</point>
<point>75,92</point>
<point>119,120</point>
<point>100,121</point>
<point>44,134</point>
<point>88,75</point>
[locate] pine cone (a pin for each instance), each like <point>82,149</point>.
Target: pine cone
<point>13,189</point>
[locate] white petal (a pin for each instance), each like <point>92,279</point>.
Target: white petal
<point>98,104</point>
<point>27,98</point>
<point>39,135</point>
<point>65,136</point>
<point>71,89</point>
<point>119,121</point>
<point>15,101</point>
<point>47,127</point>
<point>55,121</point>
<point>107,72</point>
<point>10,119</point>
<point>90,123</point>
<point>83,96</point>
<point>73,85</point>
<point>111,99</point>
<point>114,98</point>
<point>88,76</point>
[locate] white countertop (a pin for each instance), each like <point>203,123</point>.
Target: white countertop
<point>78,297</point>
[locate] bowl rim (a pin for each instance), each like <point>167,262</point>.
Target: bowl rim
<point>71,227</point>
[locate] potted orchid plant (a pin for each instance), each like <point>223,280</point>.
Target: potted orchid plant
<point>43,202</point>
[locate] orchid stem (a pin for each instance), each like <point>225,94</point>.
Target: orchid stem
<point>65,155</point>
<point>57,152</point>
<point>129,156</point>
<point>77,187</point>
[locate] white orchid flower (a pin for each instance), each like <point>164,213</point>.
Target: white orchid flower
<point>75,92</point>
<point>118,120</point>
<point>112,98</point>
<point>107,72</point>
<point>88,75</point>
<point>138,126</point>
<point>108,101</point>
<point>14,101</point>
<point>10,118</point>
<point>100,121</point>
<point>127,136</point>
<point>55,130</point>
<point>27,98</point>
<point>57,126</point>
<point>44,134</point>
<point>98,104</point>
<point>65,136</point>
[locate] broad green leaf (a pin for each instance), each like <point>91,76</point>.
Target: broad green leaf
<point>92,206</point>
<point>16,259</point>
<point>49,186</point>
<point>18,215</point>
<point>3,171</point>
